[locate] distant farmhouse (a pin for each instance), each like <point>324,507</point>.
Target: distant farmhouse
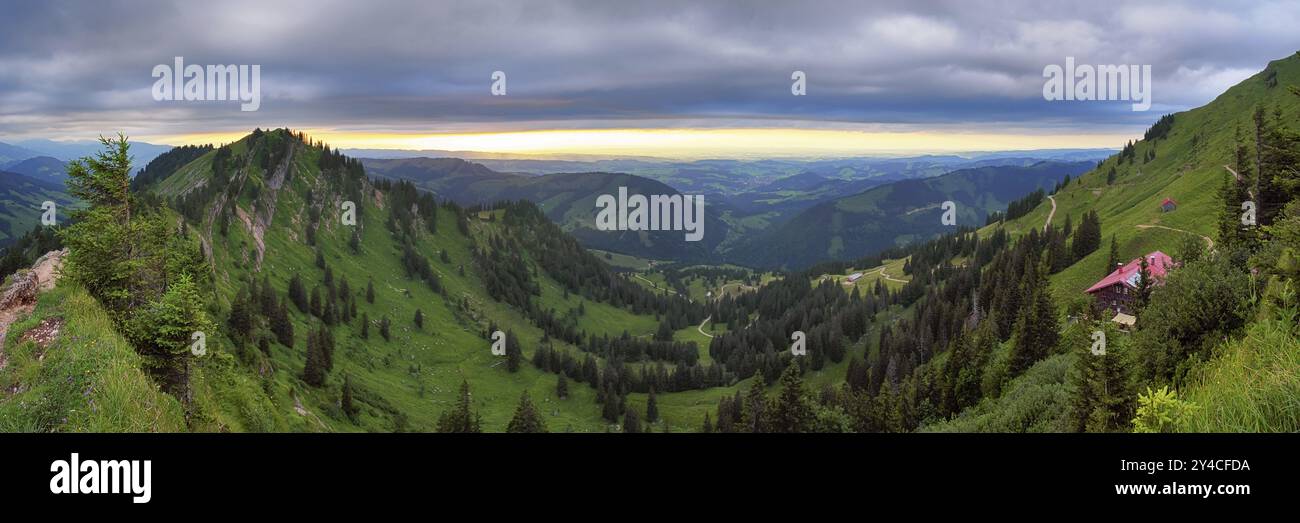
<point>1118,289</point>
<point>854,277</point>
<point>1168,205</point>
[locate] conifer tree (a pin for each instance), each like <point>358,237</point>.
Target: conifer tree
<point>651,408</point>
<point>1036,332</point>
<point>562,387</point>
<point>346,402</point>
<point>526,419</point>
<point>631,422</point>
<point>461,418</point>
<point>1113,260</point>
<point>514,353</point>
<point>752,413</point>
<point>791,410</point>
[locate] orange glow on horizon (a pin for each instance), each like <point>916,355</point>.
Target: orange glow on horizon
<point>694,143</point>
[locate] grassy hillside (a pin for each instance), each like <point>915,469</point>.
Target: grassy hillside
<point>897,214</point>
<point>405,383</point>
<point>1188,166</point>
<point>21,198</point>
<point>91,381</point>
<point>1250,384</point>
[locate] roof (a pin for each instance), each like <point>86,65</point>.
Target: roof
<point>1168,201</point>
<point>1124,319</point>
<point>1128,274</point>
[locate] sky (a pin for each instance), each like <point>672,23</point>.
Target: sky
<point>663,78</point>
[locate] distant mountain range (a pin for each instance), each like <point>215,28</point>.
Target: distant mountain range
<point>827,210</point>
<point>21,198</point>
<point>65,151</point>
<point>40,167</point>
<point>568,199</point>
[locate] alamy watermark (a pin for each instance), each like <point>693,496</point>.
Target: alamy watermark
<point>658,212</point>
<point>498,343</point>
<point>92,476</point>
<point>1100,82</point>
<point>191,83</point>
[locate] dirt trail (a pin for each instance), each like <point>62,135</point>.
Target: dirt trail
<point>1209,242</point>
<point>653,285</point>
<point>701,327</point>
<point>1048,223</point>
<point>19,298</point>
<point>1249,191</point>
<point>891,278</point>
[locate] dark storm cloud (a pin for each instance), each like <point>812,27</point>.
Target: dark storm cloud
<point>78,68</point>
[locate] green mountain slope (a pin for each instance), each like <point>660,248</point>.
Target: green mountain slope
<point>568,199</point>
<point>898,213</point>
<point>269,204</point>
<point>1188,161</point>
<point>21,198</point>
<point>1188,165</point>
<point>45,168</point>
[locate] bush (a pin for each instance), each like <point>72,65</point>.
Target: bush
<point>1161,411</point>
<point>1198,306</point>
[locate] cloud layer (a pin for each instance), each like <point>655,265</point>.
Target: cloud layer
<point>76,71</point>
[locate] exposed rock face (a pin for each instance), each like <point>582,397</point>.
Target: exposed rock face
<point>19,297</point>
<point>27,283</point>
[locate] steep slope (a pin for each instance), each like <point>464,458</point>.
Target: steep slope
<point>268,209</point>
<point>42,168</point>
<point>898,213</point>
<point>63,368</point>
<point>1247,384</point>
<point>569,199</point>
<point>21,198</point>
<point>1188,163</point>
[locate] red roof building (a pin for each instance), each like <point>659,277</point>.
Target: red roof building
<point>1117,290</point>
<point>1168,205</point>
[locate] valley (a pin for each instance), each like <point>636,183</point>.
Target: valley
<point>386,323</point>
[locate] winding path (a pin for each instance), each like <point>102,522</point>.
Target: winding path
<point>886,276</point>
<point>1209,242</point>
<point>701,327</point>
<point>1249,191</point>
<point>653,285</point>
<point>1048,223</point>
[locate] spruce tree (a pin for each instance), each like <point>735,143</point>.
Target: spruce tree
<point>461,418</point>
<point>526,419</point>
<point>514,353</point>
<point>791,411</point>
<point>562,387</point>
<point>1037,331</point>
<point>1102,393</point>
<point>631,422</point>
<point>346,402</point>
<point>1144,286</point>
<point>651,408</point>
<point>753,412</point>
